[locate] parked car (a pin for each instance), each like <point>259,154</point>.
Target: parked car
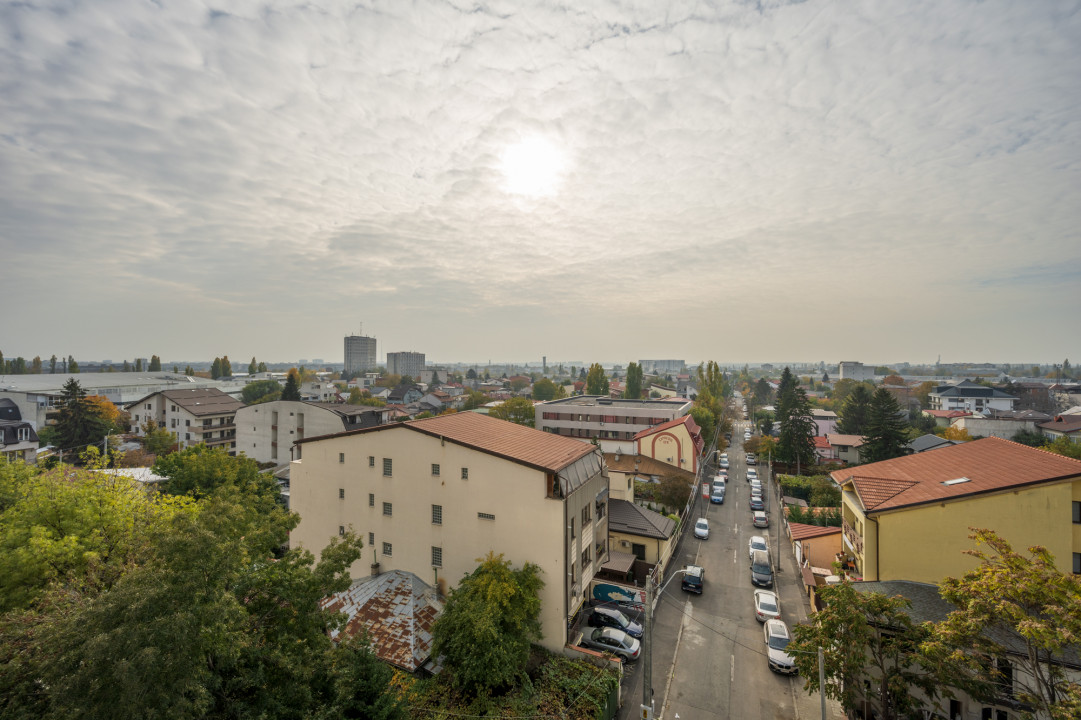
<point>611,640</point>
<point>717,498</point>
<point>757,504</point>
<point>757,542</point>
<point>752,474</point>
<point>723,463</point>
<point>701,529</point>
<point>610,617</point>
<point>751,460</point>
<point>761,571</point>
<point>692,579</point>
<point>759,519</point>
<point>766,605</point>
<point>756,485</point>
<point>719,481</point>
<point>724,456</point>
<point>777,638</point>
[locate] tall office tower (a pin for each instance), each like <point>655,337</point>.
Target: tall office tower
<point>359,353</point>
<point>406,363</point>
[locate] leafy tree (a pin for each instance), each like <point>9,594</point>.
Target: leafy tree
<point>705,420</point>
<point>633,389</point>
<point>291,391</point>
<point>855,411</point>
<point>158,440</point>
<point>957,434</point>
<point>252,367</point>
<point>1032,438</point>
<point>487,625</point>
<point>866,635</point>
<point>544,389</point>
<point>261,391</point>
<point>886,434</point>
<point>363,397</point>
<point>155,364</point>
<point>262,367</point>
<point>519,384</point>
<point>1013,596</point>
<point>138,365</point>
<point>215,369</point>
<point>518,410</point>
<point>360,683</point>
<point>201,471</point>
<point>52,364</point>
<point>762,393</point>
<point>35,365</point>
<point>73,367</point>
<point>471,374</point>
<point>673,491</point>
<point>126,367</point>
<point>596,380</point>
<point>226,367</point>
<point>1064,446</point>
<point>80,421</point>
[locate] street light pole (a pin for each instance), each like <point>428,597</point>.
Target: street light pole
<point>647,649</point>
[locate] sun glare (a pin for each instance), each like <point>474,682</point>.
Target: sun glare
<point>532,167</point>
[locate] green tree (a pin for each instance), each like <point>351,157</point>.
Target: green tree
<point>215,368</point>
<point>360,684</point>
<point>634,382</point>
<point>471,374</point>
<point>705,420</point>
<point>189,371</point>
<point>252,367</point>
<point>126,367</point>
<point>262,367</point>
<point>886,433</point>
<point>73,367</point>
<point>488,624</point>
<point>544,389</point>
<point>201,471</point>
<point>52,364</point>
<point>35,365</point>
<point>138,365</point>
<point>79,422</point>
<point>226,367</point>
<point>158,440</point>
<point>1064,446</point>
<point>855,412</point>
<point>923,392</point>
<point>795,442</point>
<point>261,391</point>
<point>673,492</point>
<point>291,391</point>
<point>762,393</point>
<point>155,364</point>
<point>596,381</point>
<point>866,636</point>
<point>518,410</point>
<point>1013,598</point>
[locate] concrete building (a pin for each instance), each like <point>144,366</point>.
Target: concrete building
<point>266,431</point>
<point>193,416</point>
<point>612,422</point>
<point>852,370</point>
<point>407,363</point>
<point>662,367</point>
<point>18,441</point>
<point>909,518</point>
<point>677,443</point>
<point>969,396</point>
<point>359,354</point>
<point>431,496</point>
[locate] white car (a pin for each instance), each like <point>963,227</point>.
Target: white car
<point>777,639</point>
<point>757,542</point>
<point>752,474</point>
<point>767,606</point>
<point>724,456</point>
<point>701,529</point>
<point>759,519</point>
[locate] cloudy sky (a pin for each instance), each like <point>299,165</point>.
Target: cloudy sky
<point>592,180</point>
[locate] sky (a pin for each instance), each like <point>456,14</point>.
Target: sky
<point>601,181</point>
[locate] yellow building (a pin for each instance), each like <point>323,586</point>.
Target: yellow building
<point>909,518</point>
<point>677,442</point>
<point>432,497</point>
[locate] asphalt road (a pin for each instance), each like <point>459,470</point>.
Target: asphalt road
<point>708,655</point>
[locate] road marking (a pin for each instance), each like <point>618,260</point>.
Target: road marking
<point>732,670</point>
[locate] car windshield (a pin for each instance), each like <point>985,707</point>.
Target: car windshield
<point>778,642</point>
<point>761,568</point>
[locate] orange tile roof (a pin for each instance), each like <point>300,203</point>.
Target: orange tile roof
<point>800,531</point>
<point>505,439</point>
<point>990,465</point>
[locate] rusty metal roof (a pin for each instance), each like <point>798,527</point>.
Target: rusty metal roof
<point>397,609</point>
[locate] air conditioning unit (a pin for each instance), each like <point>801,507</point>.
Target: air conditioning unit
<point>625,543</point>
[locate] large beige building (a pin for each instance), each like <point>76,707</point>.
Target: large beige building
<point>434,496</point>
<point>612,422</point>
<point>193,416</point>
<point>266,431</point>
<point>407,363</point>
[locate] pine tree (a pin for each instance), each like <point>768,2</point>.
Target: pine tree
<point>855,411</point>
<point>215,368</point>
<point>155,364</point>
<point>73,367</point>
<point>252,367</point>
<point>291,391</point>
<point>886,434</point>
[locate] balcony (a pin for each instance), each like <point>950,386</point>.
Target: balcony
<point>855,540</point>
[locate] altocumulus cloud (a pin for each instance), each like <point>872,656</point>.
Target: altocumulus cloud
<point>287,169</point>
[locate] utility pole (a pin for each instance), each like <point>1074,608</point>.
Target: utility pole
<point>647,650</point>
<point>822,679</point>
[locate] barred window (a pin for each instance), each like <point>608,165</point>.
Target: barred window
<point>435,468</point>
<point>486,516</point>
<point>465,473</point>
<point>388,466</point>
<point>371,461</point>
<point>371,499</point>
<point>341,529</point>
<point>341,493</point>
<point>437,514</point>
<point>437,556</point>
<point>341,457</point>
<point>388,508</point>
<point>388,549</point>
<point>371,539</point>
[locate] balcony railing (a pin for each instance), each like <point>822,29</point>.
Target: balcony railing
<point>853,537</point>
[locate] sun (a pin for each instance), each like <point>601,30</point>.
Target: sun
<point>532,167</point>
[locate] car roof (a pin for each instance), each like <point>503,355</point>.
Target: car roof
<point>693,571</point>
<point>759,537</point>
<point>606,611</point>
<point>702,520</point>
<point>765,592</point>
<point>758,513</point>
<point>760,556</point>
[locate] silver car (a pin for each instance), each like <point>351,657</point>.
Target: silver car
<point>701,529</point>
<point>613,641</point>
<point>757,542</point>
<point>767,606</point>
<point>777,639</point>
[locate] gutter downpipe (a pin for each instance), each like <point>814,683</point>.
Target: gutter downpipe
<point>878,570</point>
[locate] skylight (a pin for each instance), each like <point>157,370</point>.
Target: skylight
<point>956,481</point>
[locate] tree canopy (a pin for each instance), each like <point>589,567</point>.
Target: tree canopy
<point>517,410</point>
<point>596,380</point>
<point>855,410</point>
<point>291,391</point>
<point>545,389</point>
<point>261,391</point>
<point>885,435</point>
<point>633,389</point>
<point>83,420</point>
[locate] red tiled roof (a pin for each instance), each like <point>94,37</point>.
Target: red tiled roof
<point>846,440</point>
<point>506,439</point>
<point>1063,424</point>
<point>802,532</point>
<point>985,465</point>
<point>822,442</point>
<point>946,413</point>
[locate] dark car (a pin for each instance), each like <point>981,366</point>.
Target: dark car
<point>761,571</point>
<point>757,504</point>
<point>692,579</point>
<point>610,617</point>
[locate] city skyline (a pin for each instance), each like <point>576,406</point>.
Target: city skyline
<point>708,181</point>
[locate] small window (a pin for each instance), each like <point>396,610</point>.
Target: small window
<point>187,423</point>
<point>1077,563</point>
<point>486,516</point>
<point>586,559</point>
<point>437,514</point>
<point>341,493</point>
<point>388,549</point>
<point>371,539</point>
<point>586,517</point>
<point>465,473</point>
<point>371,499</point>
<point>435,468</point>
<point>341,457</point>
<point>341,529</point>
<point>437,556</point>
<point>388,467</point>
<point>1077,511</point>
<point>572,528</point>
<point>388,509</point>
<point>371,461</point>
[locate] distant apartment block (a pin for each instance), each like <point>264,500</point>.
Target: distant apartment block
<point>852,370</point>
<point>266,431</point>
<point>662,367</point>
<point>970,396</point>
<point>192,416</point>
<point>612,422</point>
<point>359,353</point>
<point>406,363</point>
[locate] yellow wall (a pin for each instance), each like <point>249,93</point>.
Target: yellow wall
<point>926,544</point>
<point>853,515</point>
<point>528,526</point>
<point>673,446</point>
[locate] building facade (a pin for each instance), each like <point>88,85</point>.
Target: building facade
<point>852,370</point>
<point>612,422</point>
<point>970,397</point>
<point>193,416</point>
<point>407,363</point>
<point>432,496</point>
<point>266,431</point>
<point>359,354</point>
